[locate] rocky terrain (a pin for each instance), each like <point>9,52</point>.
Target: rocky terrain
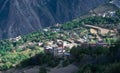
<point>23,16</point>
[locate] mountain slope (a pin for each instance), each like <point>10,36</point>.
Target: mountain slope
<point>116,2</point>
<point>23,16</point>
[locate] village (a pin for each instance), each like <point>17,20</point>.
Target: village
<point>63,40</point>
<point>86,36</point>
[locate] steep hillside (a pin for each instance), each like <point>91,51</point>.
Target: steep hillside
<point>23,16</point>
<point>116,2</point>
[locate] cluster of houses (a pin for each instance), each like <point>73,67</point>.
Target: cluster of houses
<point>58,48</point>
<point>16,39</point>
<point>104,14</point>
<point>62,48</point>
<point>107,14</point>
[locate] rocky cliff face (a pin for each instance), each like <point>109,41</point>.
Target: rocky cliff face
<point>23,16</point>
